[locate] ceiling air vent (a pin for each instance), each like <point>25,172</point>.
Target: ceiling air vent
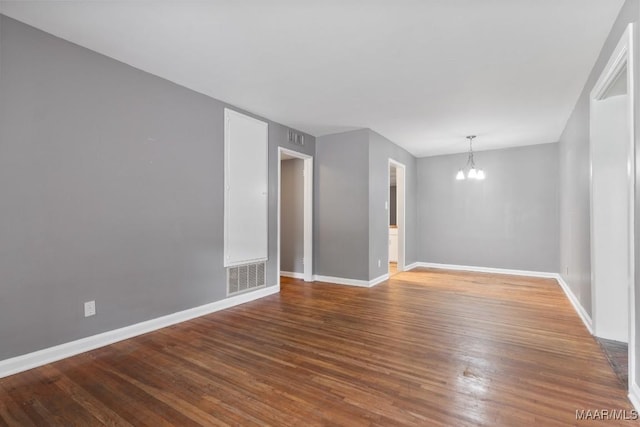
<point>243,278</point>
<point>296,138</point>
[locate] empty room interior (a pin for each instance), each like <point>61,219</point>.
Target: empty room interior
<point>357,213</point>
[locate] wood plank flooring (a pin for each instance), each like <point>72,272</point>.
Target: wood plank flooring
<point>617,354</point>
<point>428,347</point>
<point>393,268</point>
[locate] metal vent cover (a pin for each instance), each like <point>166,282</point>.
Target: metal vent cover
<point>243,278</point>
<point>296,138</point>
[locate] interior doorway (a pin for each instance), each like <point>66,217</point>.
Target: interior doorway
<point>612,162</point>
<point>396,217</point>
<point>295,215</point>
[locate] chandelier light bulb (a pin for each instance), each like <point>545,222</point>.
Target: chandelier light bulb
<point>472,173</point>
<point>480,174</point>
<point>460,175</point>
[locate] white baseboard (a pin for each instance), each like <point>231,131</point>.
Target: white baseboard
<point>378,280</point>
<point>292,274</point>
<point>586,319</point>
<point>62,351</point>
<point>341,281</point>
<point>582,313</point>
<point>634,394</point>
<point>351,282</point>
<point>485,269</point>
<point>410,266</point>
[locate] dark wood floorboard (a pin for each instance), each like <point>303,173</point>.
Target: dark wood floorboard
<point>617,354</point>
<point>427,347</point>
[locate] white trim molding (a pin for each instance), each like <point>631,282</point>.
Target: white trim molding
<point>292,274</point>
<point>411,266</point>
<point>482,269</point>
<point>28,361</point>
<point>582,313</point>
<point>624,55</point>
<point>307,234</point>
<point>586,319</point>
<point>352,282</point>
<point>634,394</point>
<point>401,205</point>
<point>378,280</point>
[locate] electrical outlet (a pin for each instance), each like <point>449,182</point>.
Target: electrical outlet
<point>379,263</point>
<point>567,270</point>
<point>89,308</point>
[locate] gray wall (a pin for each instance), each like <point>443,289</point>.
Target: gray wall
<point>292,216</point>
<point>380,151</point>
<point>111,189</point>
<point>575,241</point>
<point>510,220</point>
<point>341,205</point>
<point>352,186</point>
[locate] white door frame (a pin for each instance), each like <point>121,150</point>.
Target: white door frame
<point>401,201</point>
<point>622,56</point>
<point>308,210</point>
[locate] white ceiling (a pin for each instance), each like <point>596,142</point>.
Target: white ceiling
<point>423,73</point>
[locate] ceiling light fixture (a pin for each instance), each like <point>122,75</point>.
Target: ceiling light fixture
<point>471,164</point>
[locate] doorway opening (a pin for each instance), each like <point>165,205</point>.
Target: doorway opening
<point>612,163</point>
<point>295,215</point>
<point>396,217</point>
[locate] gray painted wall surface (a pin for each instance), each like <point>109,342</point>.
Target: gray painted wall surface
<point>352,186</point>
<point>292,216</point>
<point>510,220</point>
<point>341,205</point>
<point>111,189</point>
<point>380,151</point>
<point>575,240</point>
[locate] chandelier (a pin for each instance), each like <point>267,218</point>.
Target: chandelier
<point>471,165</point>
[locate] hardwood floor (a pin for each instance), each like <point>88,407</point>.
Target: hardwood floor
<point>428,347</point>
<point>617,354</point>
<point>393,268</point>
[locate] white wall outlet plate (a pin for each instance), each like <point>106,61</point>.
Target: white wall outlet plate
<point>89,308</point>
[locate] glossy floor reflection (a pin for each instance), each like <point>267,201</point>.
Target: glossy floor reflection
<point>426,348</point>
